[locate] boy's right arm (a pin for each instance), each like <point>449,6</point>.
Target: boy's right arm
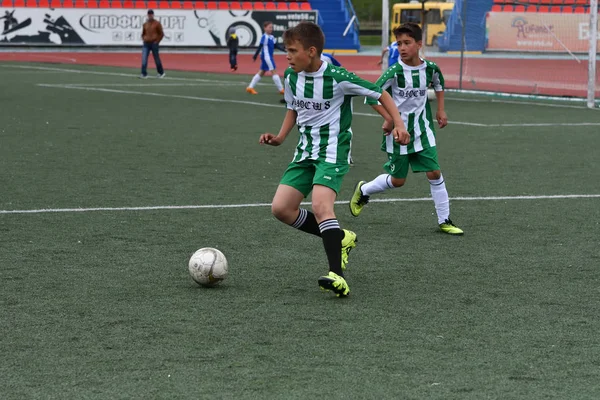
<point>288,123</point>
<point>260,45</point>
<point>255,56</point>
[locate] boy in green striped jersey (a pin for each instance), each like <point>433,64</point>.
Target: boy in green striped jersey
<point>319,100</point>
<point>407,81</point>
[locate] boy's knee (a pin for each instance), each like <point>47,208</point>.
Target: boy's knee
<point>322,210</point>
<point>284,212</point>
<point>397,182</point>
<point>279,211</point>
<point>434,175</point>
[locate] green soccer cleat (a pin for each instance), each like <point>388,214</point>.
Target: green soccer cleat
<point>448,227</point>
<point>348,243</point>
<point>358,200</point>
<point>335,283</point>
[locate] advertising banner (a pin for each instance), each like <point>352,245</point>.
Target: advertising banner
<point>123,27</point>
<point>539,32</point>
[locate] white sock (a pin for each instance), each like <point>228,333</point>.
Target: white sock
<point>254,81</point>
<point>379,184</point>
<point>440,199</point>
<point>277,81</point>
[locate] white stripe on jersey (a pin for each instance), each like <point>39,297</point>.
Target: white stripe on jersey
<point>332,145</point>
<point>389,144</point>
<point>428,130</point>
<point>269,63</point>
<point>266,53</point>
<point>303,143</point>
<point>418,144</point>
<point>409,84</point>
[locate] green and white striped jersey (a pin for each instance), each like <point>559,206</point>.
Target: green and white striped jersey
<point>408,87</point>
<point>323,101</point>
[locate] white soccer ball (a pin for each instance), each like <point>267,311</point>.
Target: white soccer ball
<point>208,266</point>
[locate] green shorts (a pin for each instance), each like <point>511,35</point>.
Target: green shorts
<point>305,174</point>
<point>423,161</point>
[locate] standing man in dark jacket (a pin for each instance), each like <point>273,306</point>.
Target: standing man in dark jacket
<point>232,43</point>
<point>152,34</point>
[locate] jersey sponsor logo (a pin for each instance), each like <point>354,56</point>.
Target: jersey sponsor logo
<point>311,105</point>
<point>412,93</point>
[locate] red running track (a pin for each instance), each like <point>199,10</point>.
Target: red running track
<point>512,75</point>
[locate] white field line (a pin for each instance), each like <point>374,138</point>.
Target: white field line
<point>451,122</point>
<point>100,89</point>
<point>527,103</point>
<point>175,96</point>
<point>77,71</point>
<point>496,80</point>
<point>550,124</point>
<point>508,95</point>
<point>250,205</point>
<point>143,84</point>
<point>102,73</point>
<point>21,72</point>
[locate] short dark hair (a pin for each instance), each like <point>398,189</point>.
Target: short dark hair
<point>411,29</point>
<point>266,23</point>
<point>308,34</point>
<point>151,12</point>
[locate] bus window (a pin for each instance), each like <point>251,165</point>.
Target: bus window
<point>410,16</point>
<point>433,17</point>
<point>446,16</point>
<point>396,15</point>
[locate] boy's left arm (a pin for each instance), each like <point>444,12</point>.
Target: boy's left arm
<point>438,86</point>
<point>440,115</point>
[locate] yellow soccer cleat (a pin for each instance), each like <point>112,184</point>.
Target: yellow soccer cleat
<point>358,200</point>
<point>448,227</point>
<point>251,90</point>
<point>335,283</point>
<point>348,243</point>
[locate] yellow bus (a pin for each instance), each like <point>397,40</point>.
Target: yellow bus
<point>436,16</point>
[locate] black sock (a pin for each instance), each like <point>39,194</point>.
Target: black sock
<point>332,240</point>
<point>307,222</point>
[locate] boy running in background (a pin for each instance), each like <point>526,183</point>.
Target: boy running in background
<point>393,54</point>
<point>318,97</point>
<point>407,81</point>
<point>266,49</point>
<point>328,58</point>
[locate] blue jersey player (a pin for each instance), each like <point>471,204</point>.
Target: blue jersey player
<point>393,54</point>
<point>267,62</point>
<point>329,59</point>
